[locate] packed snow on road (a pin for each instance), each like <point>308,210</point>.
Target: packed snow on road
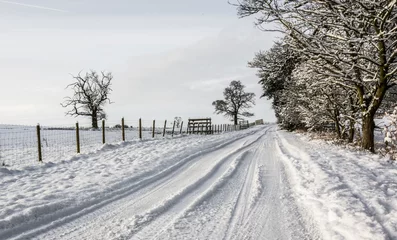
<point>259,183</point>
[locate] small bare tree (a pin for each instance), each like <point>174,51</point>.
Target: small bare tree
<point>178,121</point>
<point>90,95</point>
<point>236,102</point>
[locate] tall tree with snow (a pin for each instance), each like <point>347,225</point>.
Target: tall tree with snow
<point>275,68</point>
<point>90,94</point>
<point>236,102</point>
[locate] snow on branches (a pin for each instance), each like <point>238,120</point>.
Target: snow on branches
<point>349,51</point>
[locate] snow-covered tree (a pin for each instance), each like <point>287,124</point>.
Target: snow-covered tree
<point>350,43</point>
<point>275,67</point>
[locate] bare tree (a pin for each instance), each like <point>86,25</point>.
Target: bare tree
<point>90,95</point>
<point>178,121</point>
<point>236,102</point>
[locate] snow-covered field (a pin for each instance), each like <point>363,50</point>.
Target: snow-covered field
<point>259,183</point>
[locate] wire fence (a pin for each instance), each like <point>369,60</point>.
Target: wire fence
<point>25,145</point>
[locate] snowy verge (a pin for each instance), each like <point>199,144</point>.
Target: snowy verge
<point>350,195</point>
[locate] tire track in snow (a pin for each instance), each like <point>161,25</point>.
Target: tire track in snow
<point>240,207</point>
<point>264,218</point>
<point>178,205</point>
<point>212,224</point>
<point>247,206</point>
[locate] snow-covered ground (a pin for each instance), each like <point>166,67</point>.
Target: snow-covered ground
<point>259,183</point>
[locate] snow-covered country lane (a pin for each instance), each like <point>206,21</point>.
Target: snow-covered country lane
<point>213,187</point>
<point>260,183</point>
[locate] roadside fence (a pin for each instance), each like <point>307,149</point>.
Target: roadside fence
<point>25,145</point>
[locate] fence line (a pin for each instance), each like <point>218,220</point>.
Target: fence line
<point>24,145</point>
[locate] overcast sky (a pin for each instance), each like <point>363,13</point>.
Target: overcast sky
<point>169,58</point>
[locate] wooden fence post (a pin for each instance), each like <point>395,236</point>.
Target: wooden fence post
<point>173,129</point>
<point>122,129</point>
<point>103,132</point>
<point>165,126</point>
<point>78,137</point>
<point>154,127</point>
<point>39,143</point>
<point>140,128</point>
<point>180,132</point>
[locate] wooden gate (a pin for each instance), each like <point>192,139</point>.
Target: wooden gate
<point>199,126</point>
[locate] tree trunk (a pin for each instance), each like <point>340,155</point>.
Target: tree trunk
<point>337,129</point>
<point>337,126</point>
<point>235,119</point>
<point>351,131</point>
<point>94,118</point>
<point>368,132</point>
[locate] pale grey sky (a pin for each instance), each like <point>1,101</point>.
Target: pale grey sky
<point>169,58</point>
